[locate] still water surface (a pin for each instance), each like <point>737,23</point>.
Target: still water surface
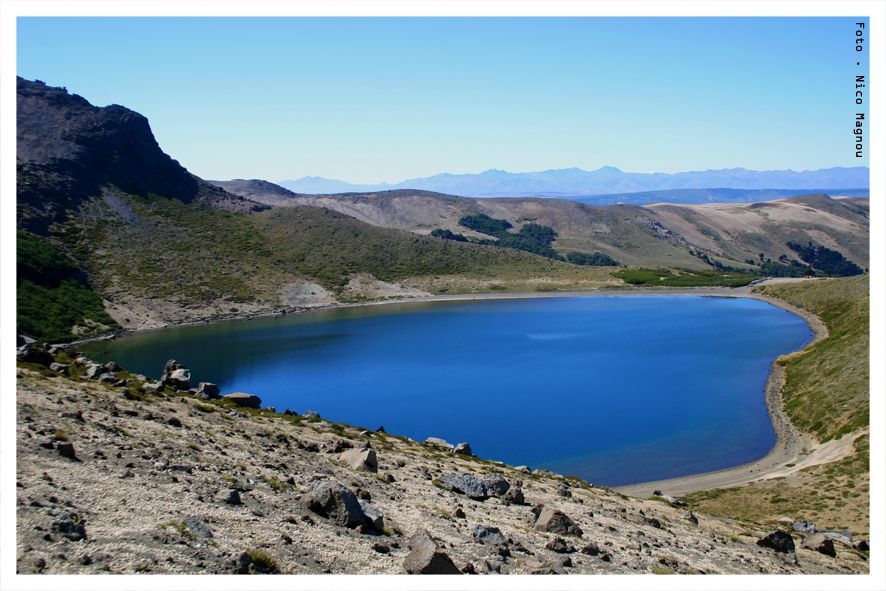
<point>616,390</point>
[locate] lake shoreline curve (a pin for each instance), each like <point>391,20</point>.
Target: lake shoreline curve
<point>791,444</point>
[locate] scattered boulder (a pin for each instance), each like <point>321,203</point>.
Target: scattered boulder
<point>176,375</point>
<point>437,442</point>
<point>463,449</point>
<point>820,543</point>
<point>229,496</point>
<point>466,484</point>
<point>112,366</point>
<point>537,567</point>
<point>174,422</point>
<point>197,528</point>
<point>496,484</point>
<point>779,541</point>
<point>311,414</point>
<point>93,370</point>
<point>690,516</point>
<point>359,459</point>
<point>488,535</point>
<point>515,496</point>
<point>862,546</point>
<point>555,521</point>
<point>459,513</point>
<point>244,399</point>
<point>33,353</point>
<point>59,367</point>
<point>374,517</point>
<point>256,563</point>
<point>804,527</point>
<point>108,377</point>
<point>207,391</point>
<point>66,450</point>
<point>591,549</point>
<point>69,524</point>
<point>560,546</point>
<point>426,558</point>
<point>335,501</point>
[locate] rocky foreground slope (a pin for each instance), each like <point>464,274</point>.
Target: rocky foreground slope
<point>119,473</point>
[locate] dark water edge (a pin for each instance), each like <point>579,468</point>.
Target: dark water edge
<point>614,389</point>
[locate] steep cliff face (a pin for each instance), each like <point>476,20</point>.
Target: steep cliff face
<point>69,150</point>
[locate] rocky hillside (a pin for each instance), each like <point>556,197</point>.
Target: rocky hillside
<point>650,236</point>
<point>157,245</point>
<point>119,473</point>
<point>69,150</point>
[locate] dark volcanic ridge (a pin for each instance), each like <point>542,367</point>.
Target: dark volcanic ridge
<point>69,150</point>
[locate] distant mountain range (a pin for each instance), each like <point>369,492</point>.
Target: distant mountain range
<point>573,183</point>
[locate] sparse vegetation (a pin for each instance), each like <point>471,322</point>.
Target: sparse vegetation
<point>683,277</point>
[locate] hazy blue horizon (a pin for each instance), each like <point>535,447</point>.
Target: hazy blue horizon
<point>386,99</point>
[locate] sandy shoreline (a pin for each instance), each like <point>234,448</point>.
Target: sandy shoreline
<point>790,447</point>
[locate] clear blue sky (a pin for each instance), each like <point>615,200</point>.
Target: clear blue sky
<point>385,99</point>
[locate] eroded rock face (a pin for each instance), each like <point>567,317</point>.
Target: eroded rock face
<point>779,541</point>
<point>426,558</point>
<point>555,521</point>
<point>337,502</point>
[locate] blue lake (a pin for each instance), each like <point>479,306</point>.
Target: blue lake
<point>616,390</point>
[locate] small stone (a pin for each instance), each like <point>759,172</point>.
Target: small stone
<point>591,549</point>
<point>174,422</point>
<point>459,513</point>
<point>197,528</point>
<point>381,548</point>
<point>59,367</point>
<point>70,525</point>
<point>862,546</point>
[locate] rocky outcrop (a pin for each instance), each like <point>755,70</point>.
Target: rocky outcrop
<point>820,543</point>
<point>207,391</point>
<point>69,150</point>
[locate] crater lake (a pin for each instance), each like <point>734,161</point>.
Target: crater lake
<point>614,389</point>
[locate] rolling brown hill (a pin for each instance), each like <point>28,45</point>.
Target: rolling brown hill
<point>664,235</point>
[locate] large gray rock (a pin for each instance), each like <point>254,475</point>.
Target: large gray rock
<point>93,370</point>
<point>359,459</point>
<point>466,484</point>
<point>374,517</point>
<point>243,399</point>
<point>207,391</point>
<point>820,543</point>
<point>496,484</point>
<point>555,521</point>
<point>488,535</point>
<point>176,375</point>
<point>426,558</point>
<point>335,501</point>
<point>779,541</point>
